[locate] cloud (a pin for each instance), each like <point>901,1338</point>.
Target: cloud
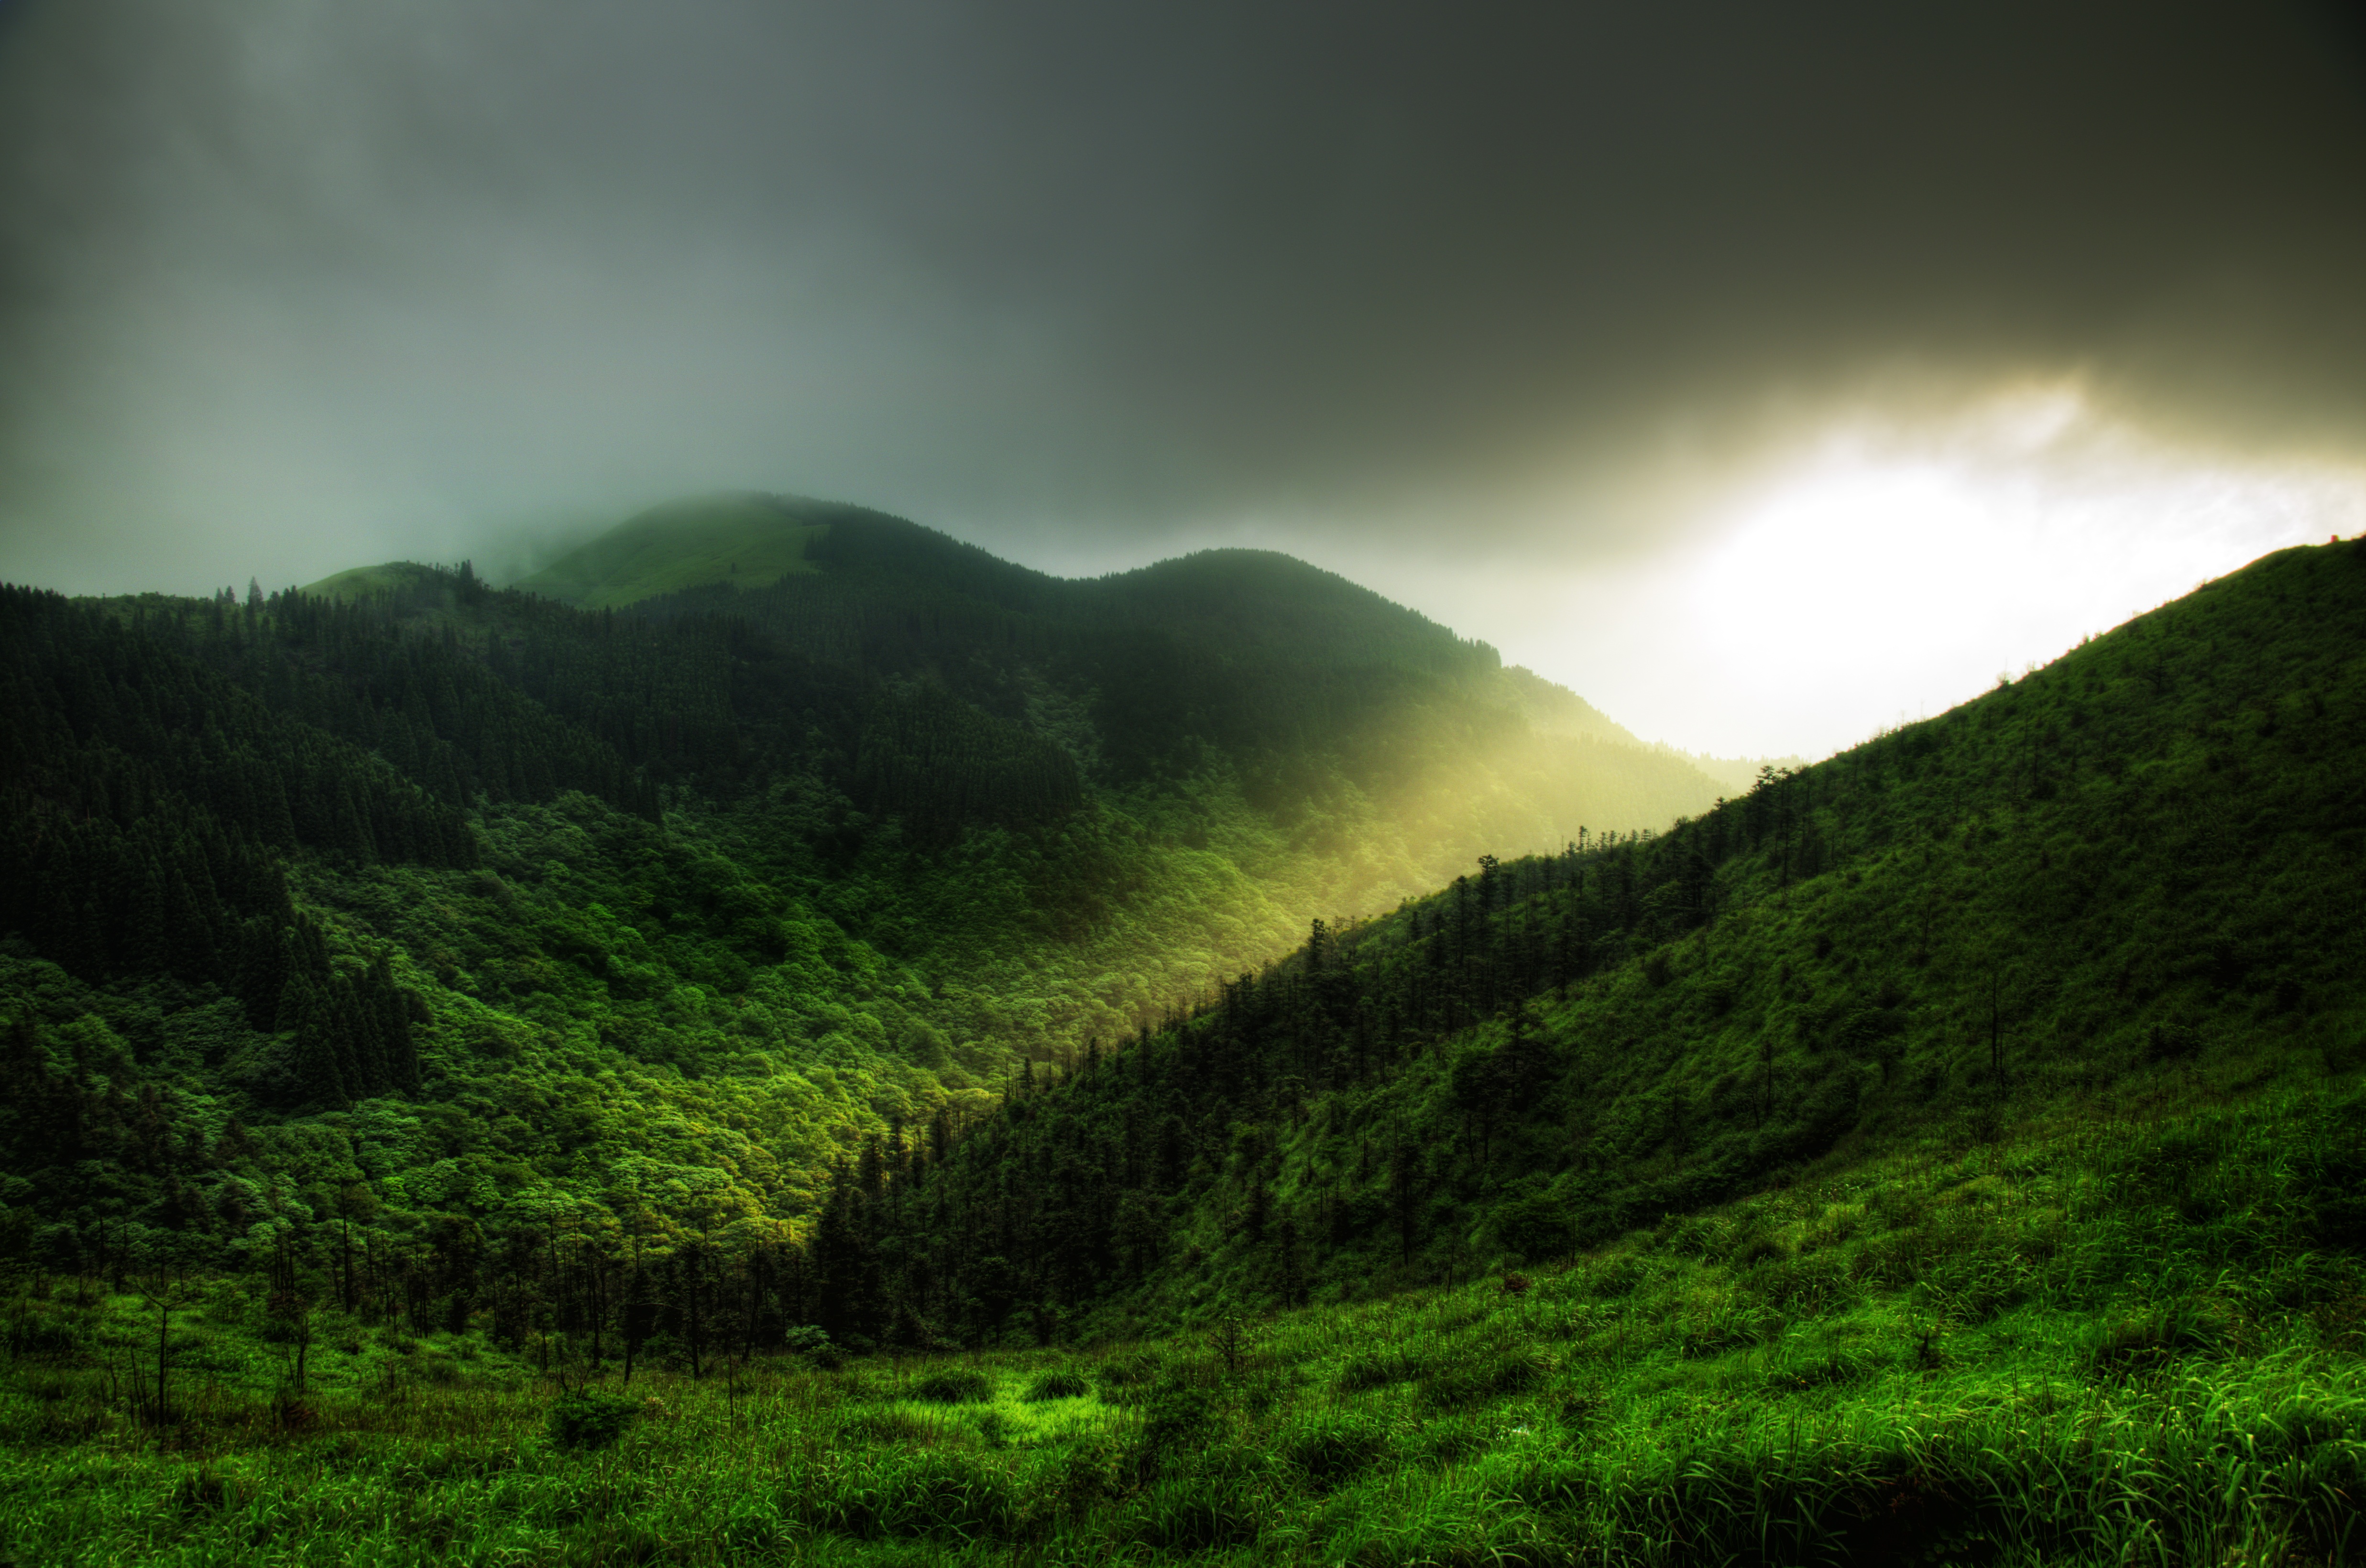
<point>287,285</point>
<point>1894,562</point>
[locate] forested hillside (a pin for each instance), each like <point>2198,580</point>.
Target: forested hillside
<point>408,900</point>
<point>2129,878</point>
<point>1948,1152</point>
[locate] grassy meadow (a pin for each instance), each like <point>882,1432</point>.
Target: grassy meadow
<point>2123,1342</point>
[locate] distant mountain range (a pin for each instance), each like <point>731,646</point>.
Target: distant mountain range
<point>1275,663</point>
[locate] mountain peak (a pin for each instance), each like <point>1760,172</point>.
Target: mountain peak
<point>747,539</point>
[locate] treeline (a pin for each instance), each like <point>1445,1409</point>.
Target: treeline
<point>350,1030</point>
<point>147,798</point>
<point>1069,1193</point>
<point>940,764</point>
<point>2151,846</point>
<point>1245,650</point>
<point>1011,1224</point>
<point>490,696</point>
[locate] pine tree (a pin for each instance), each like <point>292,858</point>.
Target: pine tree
<point>320,1067</point>
<point>1404,1198</point>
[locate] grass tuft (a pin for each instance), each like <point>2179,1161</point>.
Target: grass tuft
<point>1058,1385</point>
<point>962,1387</point>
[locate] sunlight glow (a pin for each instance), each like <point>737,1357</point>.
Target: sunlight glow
<point>1889,571</point>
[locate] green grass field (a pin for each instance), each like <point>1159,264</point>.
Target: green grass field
<point>746,542</point>
<point>360,582</point>
<point>2129,1341</point>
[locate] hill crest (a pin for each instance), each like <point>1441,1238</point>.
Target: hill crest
<point>746,540</point>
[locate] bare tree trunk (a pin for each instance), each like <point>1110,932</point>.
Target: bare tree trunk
<point>164,1355</point>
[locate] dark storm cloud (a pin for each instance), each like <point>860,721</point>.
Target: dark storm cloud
<point>291,284</point>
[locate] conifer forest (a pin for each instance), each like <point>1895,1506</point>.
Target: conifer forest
<point>787,1038</point>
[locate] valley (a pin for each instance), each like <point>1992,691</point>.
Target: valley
<point>1199,1063</point>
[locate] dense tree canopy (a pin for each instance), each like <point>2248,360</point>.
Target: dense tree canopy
<point>415,904</point>
<point>661,973</point>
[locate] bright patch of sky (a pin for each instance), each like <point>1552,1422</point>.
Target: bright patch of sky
<point>1883,570</point>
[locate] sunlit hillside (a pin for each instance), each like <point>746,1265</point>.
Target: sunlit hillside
<point>434,899</point>
<point>1950,1152</point>
<point>2127,884</point>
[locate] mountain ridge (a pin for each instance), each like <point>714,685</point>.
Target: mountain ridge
<point>818,856</point>
<point>1948,931</point>
<point>1249,596</point>
<point>424,1004</point>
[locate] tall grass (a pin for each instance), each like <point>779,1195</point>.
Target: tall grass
<point>2141,1347</point>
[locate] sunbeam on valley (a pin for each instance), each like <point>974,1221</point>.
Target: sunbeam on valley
<point>1219,785</point>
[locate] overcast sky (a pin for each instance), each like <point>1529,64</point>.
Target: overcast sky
<point>1765,372</point>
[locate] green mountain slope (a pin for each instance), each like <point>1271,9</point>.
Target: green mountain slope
<point>746,541</point>
<point>1949,1153</point>
<point>364,582</point>
<point>2130,880</point>
<point>416,898</point>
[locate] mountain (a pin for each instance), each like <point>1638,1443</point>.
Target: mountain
<point>532,1043</point>
<point>746,541</point>
<point>365,885</point>
<point>1394,747</point>
<point>2124,882</point>
<point>365,582</point>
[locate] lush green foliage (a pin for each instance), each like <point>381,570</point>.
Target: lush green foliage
<point>2119,1343</point>
<point>844,1026</point>
<point>586,1420</point>
<point>417,899</point>
<point>2134,873</point>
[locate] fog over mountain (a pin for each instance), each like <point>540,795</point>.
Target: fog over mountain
<point>1524,315</point>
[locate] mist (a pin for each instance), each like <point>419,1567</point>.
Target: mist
<point>1513,313</point>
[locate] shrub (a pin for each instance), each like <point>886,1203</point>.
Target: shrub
<point>1125,1370</point>
<point>815,1346</point>
<point>1175,1419</point>
<point>962,1387</point>
<point>580,1422</point>
<point>1334,1452</point>
<point>1535,1226</point>
<point>1058,1385</point>
<point>1474,1382</point>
